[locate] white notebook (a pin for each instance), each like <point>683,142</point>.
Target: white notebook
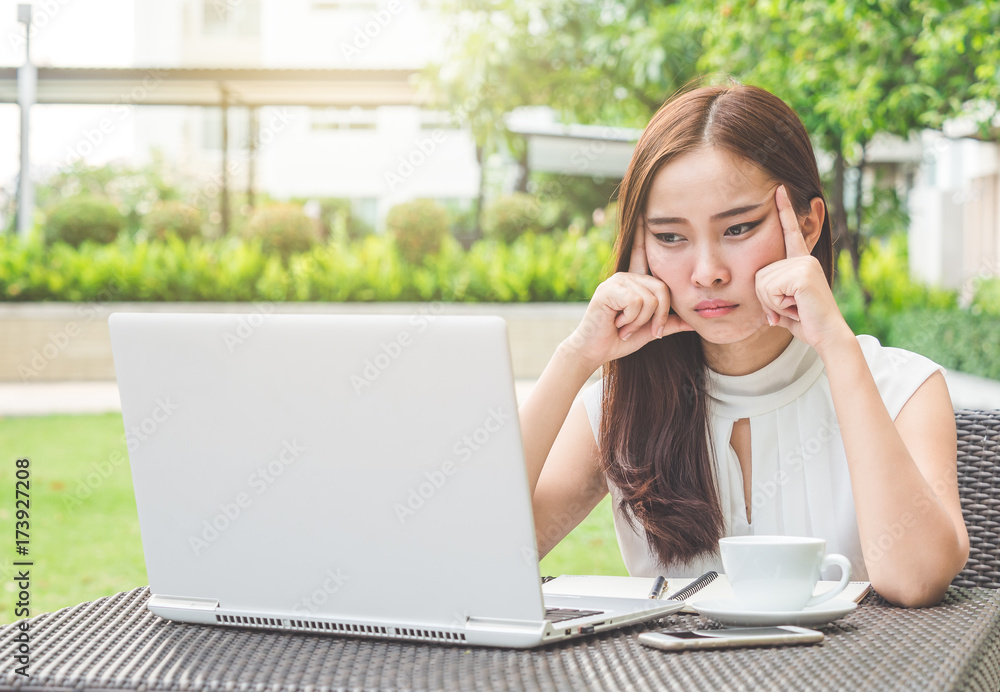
<point>639,587</point>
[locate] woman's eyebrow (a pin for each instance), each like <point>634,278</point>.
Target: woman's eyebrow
<point>735,211</point>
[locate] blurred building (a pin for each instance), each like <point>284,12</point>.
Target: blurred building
<point>955,209</point>
<point>949,184</point>
<point>375,156</point>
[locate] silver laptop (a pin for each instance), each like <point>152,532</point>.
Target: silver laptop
<point>336,474</point>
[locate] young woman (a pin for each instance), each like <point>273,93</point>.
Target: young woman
<point>735,399</point>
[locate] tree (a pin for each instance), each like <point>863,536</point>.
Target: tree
<point>959,48</point>
<point>611,63</point>
<point>855,68</point>
<point>850,68</point>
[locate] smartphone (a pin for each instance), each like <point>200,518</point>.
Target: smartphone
<point>729,638</point>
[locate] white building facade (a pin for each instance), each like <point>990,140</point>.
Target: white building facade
<point>955,212</point>
<point>376,157</point>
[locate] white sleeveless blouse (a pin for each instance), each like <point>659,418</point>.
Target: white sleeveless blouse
<point>801,484</point>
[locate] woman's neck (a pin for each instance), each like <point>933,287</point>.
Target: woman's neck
<point>750,354</point>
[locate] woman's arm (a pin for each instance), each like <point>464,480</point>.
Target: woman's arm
<point>542,414</point>
<point>626,312</point>
<point>568,483</point>
<point>903,472</point>
<point>904,479</point>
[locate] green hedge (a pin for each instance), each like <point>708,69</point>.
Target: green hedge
<point>560,267</point>
<point>956,339</point>
<point>987,297</point>
<point>557,267</point>
<point>84,218</point>
<point>884,274</point>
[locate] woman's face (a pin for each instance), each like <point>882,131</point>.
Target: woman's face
<point>711,223</point>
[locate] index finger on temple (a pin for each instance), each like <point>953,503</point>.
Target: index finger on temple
<point>795,244</point>
<point>637,260</point>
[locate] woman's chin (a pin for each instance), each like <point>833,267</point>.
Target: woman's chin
<point>729,334</point>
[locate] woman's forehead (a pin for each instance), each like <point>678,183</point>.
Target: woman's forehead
<point>704,182</point>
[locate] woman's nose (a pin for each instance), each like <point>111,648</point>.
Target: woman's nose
<point>709,269</point>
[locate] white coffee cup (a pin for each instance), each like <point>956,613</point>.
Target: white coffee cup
<point>779,572</point>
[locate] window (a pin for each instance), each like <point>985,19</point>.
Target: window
<point>211,129</point>
<point>356,118</point>
<point>365,209</point>
<point>439,120</point>
<point>344,5</point>
<point>231,17</point>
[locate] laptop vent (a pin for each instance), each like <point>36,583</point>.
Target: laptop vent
<point>252,621</point>
<point>430,635</point>
<point>342,627</point>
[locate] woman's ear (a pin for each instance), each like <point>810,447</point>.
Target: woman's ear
<point>812,223</point>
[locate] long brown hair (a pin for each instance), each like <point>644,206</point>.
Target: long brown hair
<point>654,435</point>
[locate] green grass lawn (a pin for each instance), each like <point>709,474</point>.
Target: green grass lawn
<point>84,531</point>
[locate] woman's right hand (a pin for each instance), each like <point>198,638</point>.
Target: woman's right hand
<point>628,310</point>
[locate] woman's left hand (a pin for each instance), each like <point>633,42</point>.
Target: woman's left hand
<point>794,292</point>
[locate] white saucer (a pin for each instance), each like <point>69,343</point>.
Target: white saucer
<point>729,612</point>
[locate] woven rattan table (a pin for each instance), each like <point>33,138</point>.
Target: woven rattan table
<point>115,643</point>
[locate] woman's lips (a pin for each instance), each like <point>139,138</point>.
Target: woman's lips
<point>714,308</point>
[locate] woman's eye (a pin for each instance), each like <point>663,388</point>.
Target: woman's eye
<point>741,228</point>
<point>668,238</point>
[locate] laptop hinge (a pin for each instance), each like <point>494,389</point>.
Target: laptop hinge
<point>208,604</point>
<point>495,624</point>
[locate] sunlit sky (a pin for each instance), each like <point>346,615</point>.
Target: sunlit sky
<point>91,33</point>
<point>71,33</point>
<point>101,33</point>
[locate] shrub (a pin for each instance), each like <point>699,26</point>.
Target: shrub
<point>551,267</point>
<point>464,226</point>
<point>606,221</point>
<point>340,222</point>
<point>885,275</point>
<point>175,217</point>
<point>283,229</point>
<point>954,338</point>
<point>570,200</point>
<point>987,297</point>
<point>510,216</point>
<point>77,219</point>
<point>418,228</point>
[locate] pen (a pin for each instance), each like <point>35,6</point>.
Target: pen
<point>658,586</point>
<point>694,587</point>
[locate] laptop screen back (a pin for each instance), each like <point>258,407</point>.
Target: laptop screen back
<point>356,466</point>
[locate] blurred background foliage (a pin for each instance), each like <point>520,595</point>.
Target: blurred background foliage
<point>852,69</point>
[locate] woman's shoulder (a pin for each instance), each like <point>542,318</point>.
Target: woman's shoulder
<point>897,372</point>
<point>895,360</point>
